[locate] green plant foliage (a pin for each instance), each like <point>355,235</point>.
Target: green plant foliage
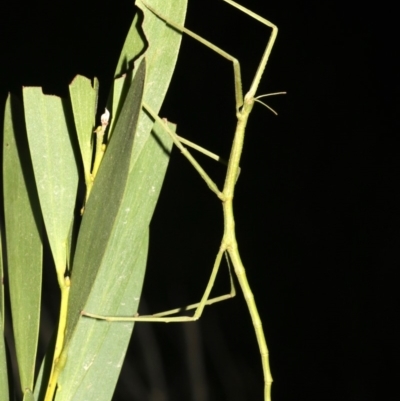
<point>102,211</point>
<point>3,357</point>
<point>110,245</point>
<point>98,240</point>
<point>121,274</point>
<point>128,247</point>
<point>83,100</point>
<point>161,55</point>
<point>55,168</point>
<point>23,224</point>
<point>2,283</point>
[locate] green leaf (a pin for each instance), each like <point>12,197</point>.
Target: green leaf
<point>45,369</point>
<point>115,104</point>
<point>83,99</point>
<point>55,167</point>
<point>134,45</point>
<point>101,219</point>
<point>96,344</point>
<point>4,395</point>
<point>161,55</point>
<point>118,285</point>
<point>104,203</point>
<point>23,228</point>
<point>119,279</point>
<point>3,357</point>
<point>2,281</point>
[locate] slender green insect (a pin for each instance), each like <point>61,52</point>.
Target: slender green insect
<point>229,246</point>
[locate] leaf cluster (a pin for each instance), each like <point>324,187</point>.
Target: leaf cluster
<point>99,257</point>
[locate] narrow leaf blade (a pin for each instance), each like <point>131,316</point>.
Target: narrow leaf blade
<point>119,282</point>
<point>54,166</point>
<point>105,200</point>
<point>2,280</point>
<point>161,55</point>
<point>23,227</point>
<point>4,395</point>
<point>99,220</point>
<point>83,100</point>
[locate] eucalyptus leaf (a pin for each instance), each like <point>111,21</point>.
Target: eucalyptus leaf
<point>55,167</point>
<point>23,228</point>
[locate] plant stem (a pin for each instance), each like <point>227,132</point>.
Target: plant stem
<point>58,363</point>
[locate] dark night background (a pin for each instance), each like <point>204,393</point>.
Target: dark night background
<point>316,204</point>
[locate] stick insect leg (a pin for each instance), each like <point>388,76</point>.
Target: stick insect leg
<point>236,65</point>
<point>202,150</point>
<point>199,306</point>
<point>243,110</point>
<point>206,152</point>
<point>176,139</point>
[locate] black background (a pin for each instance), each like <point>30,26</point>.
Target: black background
<point>316,203</point>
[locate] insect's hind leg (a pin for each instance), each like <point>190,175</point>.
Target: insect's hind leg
<point>199,306</point>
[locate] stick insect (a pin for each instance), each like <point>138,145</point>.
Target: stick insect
<point>229,246</point>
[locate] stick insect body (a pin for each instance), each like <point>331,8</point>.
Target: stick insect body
<point>229,246</point>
